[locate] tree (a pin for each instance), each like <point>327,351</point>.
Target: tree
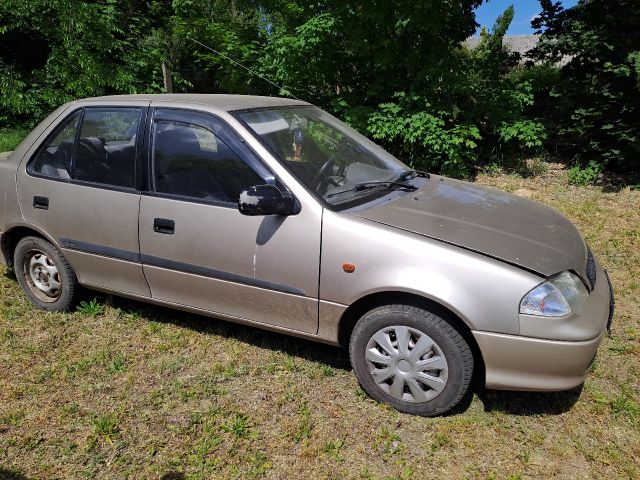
<point>53,51</point>
<point>595,104</point>
<point>400,72</point>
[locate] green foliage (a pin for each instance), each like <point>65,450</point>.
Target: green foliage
<point>579,176</point>
<point>595,104</point>
<point>10,138</point>
<point>105,425</point>
<point>117,365</point>
<point>239,425</point>
<point>426,139</point>
<point>398,71</point>
<point>58,50</point>
<point>91,308</point>
<point>526,132</point>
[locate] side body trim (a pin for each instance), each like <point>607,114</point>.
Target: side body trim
<point>178,266</point>
<point>218,274</point>
<point>100,250</point>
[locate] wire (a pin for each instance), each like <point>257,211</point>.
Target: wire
<point>280,88</point>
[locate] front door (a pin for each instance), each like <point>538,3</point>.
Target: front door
<point>80,188</point>
<point>199,251</point>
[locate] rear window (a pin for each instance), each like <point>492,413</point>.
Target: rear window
<point>55,156</point>
<point>97,145</point>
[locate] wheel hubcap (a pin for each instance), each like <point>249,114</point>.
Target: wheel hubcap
<point>42,276</point>
<point>406,364</point>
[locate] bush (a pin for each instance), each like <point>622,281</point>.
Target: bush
<point>11,138</point>
<point>423,138</point>
<point>588,175</point>
<point>594,105</point>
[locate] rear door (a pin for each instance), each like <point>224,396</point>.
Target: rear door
<point>199,251</point>
<point>81,187</point>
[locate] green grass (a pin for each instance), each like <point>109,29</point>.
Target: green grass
<point>11,137</point>
<point>128,390</point>
<point>91,308</point>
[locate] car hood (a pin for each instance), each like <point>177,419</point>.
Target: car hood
<point>490,222</point>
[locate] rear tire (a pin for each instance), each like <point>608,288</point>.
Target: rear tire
<point>44,274</point>
<point>412,359</point>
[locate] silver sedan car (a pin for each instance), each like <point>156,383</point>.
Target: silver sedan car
<point>271,212</point>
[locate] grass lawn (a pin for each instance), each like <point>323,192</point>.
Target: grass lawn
<point>125,390</point>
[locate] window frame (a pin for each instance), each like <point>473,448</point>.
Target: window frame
<point>201,119</point>
<point>138,156</point>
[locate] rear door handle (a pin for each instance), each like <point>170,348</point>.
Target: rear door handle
<point>41,203</point>
<point>164,225</point>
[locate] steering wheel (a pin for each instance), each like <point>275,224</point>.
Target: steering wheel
<point>319,179</point>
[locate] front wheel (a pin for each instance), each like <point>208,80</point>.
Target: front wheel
<point>44,275</point>
<point>411,359</point>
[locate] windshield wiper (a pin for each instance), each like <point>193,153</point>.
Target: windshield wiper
<point>367,185</point>
<point>409,174</point>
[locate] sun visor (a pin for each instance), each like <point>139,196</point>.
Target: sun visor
<point>266,122</point>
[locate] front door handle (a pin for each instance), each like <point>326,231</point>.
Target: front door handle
<point>41,203</point>
<point>164,225</point>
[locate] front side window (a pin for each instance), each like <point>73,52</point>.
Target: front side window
<point>104,152</point>
<point>192,161</point>
<point>330,158</point>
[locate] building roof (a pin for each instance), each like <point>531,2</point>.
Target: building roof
<point>516,43</point>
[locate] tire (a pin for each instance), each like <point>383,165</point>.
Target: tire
<point>45,275</point>
<point>411,359</point>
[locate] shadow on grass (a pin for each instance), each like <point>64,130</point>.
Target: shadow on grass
<point>514,403</point>
<point>11,275</point>
<point>528,403</point>
<point>334,357</point>
<point>614,183</point>
<point>9,474</point>
<point>172,476</point>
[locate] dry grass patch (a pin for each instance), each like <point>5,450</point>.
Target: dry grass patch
<point>124,390</point>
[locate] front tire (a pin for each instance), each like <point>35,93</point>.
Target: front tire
<point>45,275</point>
<point>412,359</point>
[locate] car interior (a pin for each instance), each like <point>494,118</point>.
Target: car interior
<point>183,167</point>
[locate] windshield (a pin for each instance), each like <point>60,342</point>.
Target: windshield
<point>330,158</point>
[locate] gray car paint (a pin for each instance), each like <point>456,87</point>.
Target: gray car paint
<point>489,221</point>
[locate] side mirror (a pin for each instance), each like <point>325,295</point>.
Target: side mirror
<point>265,200</point>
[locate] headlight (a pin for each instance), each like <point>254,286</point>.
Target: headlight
<point>563,294</point>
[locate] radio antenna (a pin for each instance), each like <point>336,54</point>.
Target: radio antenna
<point>235,62</point>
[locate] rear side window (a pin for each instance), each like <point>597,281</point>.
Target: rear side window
<point>55,156</point>
<point>192,161</point>
<point>104,152</point>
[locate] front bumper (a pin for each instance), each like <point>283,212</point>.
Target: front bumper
<point>521,363</point>
<point>515,362</point>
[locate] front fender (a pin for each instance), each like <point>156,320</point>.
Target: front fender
<point>485,293</point>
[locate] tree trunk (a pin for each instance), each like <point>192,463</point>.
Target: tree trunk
<point>166,75</point>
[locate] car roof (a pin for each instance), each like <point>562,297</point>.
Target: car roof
<point>219,101</point>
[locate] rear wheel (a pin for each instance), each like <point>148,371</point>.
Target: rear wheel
<point>411,359</point>
<point>44,274</point>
